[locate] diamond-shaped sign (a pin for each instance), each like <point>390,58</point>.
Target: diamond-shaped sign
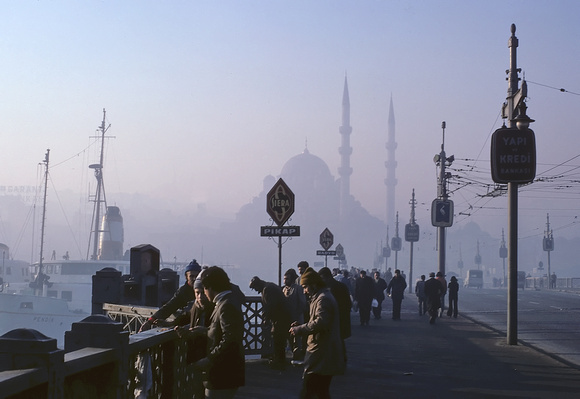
<point>326,239</point>
<point>280,202</point>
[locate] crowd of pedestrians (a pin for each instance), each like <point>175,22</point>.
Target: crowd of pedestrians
<point>309,316</point>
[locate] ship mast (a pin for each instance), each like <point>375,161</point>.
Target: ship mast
<point>46,157</point>
<point>100,197</point>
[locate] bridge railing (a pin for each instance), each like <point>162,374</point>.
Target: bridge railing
<point>103,360</point>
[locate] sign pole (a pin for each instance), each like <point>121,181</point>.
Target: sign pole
<point>280,206</point>
<point>280,261</point>
<point>512,320</point>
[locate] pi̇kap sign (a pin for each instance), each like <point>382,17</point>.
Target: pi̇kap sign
<point>513,155</point>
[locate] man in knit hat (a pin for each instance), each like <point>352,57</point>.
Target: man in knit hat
<point>324,353</point>
<point>182,297</point>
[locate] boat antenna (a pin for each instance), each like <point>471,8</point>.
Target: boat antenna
<point>100,196</point>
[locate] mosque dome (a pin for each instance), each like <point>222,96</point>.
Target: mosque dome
<point>307,172</point>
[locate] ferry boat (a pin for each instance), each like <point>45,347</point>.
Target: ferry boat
<point>59,293</point>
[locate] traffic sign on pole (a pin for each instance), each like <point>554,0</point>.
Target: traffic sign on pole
<point>513,155</point>
<point>280,202</point>
<point>442,213</point>
<point>326,239</point>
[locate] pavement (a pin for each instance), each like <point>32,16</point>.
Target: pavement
<point>410,358</point>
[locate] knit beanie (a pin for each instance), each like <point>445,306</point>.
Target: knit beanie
<point>197,284</point>
<point>311,277</point>
<point>193,267</point>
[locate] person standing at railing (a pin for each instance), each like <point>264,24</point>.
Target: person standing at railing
<point>276,313</point>
<point>182,297</point>
<point>201,312</point>
<point>224,365</point>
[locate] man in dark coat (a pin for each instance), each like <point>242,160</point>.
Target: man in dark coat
<point>276,310</point>
<point>364,292</point>
<point>182,297</point>
<point>201,312</point>
<point>324,358</point>
<point>433,292</point>
<point>342,296</point>
<point>396,290</point>
<point>380,287</point>
<point>224,365</point>
<point>453,297</point>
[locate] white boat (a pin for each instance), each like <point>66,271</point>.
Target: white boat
<point>11,270</point>
<point>60,292</point>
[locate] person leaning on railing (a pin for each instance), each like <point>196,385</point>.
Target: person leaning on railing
<point>182,297</point>
<point>224,365</point>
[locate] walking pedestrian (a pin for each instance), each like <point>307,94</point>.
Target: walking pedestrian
<point>433,292</point>
<point>453,297</point>
<point>363,293</point>
<point>441,278</point>
<point>421,297</point>
<point>396,290</point>
<point>380,287</point>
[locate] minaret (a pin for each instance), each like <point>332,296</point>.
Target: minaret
<point>345,150</point>
<point>391,165</point>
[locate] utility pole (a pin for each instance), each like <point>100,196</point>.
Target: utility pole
<point>548,246</point>
<point>387,252</point>
<point>460,262</point>
<point>513,161</point>
<point>412,235</point>
<point>478,257</point>
<point>512,322</point>
<point>442,207</point>
<point>503,255</point>
<point>396,242</point>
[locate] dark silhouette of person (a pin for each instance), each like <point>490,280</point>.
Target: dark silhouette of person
<point>396,290</point>
<point>453,290</point>
<point>224,364</point>
<point>297,301</point>
<point>196,335</point>
<point>324,358</point>
<point>363,293</point>
<point>433,292</point>
<point>380,287</point>
<point>341,294</point>
<point>421,297</point>
<point>441,278</point>
<point>184,296</point>
<point>276,310</point>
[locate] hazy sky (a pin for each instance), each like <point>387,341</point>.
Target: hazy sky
<point>206,98</point>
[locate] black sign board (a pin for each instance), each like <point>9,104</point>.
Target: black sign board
<point>396,243</point>
<point>442,213</point>
<point>513,155</point>
<point>326,253</point>
<point>326,239</point>
<point>411,232</point>
<point>280,202</point>
<point>286,231</point>
<point>548,244</point>
<point>339,251</point>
